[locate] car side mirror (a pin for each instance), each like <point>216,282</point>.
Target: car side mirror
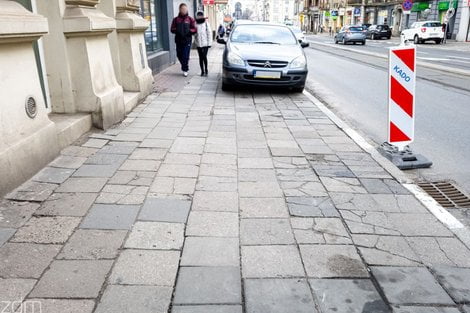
<point>221,41</point>
<point>304,44</point>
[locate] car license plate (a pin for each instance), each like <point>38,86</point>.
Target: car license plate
<point>267,74</point>
<point>434,34</point>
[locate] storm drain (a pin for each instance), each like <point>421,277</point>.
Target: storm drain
<point>446,194</point>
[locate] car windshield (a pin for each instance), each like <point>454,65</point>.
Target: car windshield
<point>263,34</point>
<point>355,29</point>
<point>296,30</point>
<point>383,27</point>
<point>433,24</point>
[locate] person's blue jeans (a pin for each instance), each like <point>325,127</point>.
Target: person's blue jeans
<point>182,52</point>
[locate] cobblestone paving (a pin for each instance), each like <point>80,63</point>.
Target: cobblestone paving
<point>209,202</point>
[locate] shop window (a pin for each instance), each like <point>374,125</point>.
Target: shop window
<point>150,10</point>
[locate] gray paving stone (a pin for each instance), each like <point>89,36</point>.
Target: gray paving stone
<point>13,291</point>
<point>156,235</point>
<point>210,251</point>
<point>148,154</point>
<point>25,260</point>
<point>82,184</point>
<point>259,189</point>
<point>348,295</point>
<point>77,151</point>
<point>410,285</point>
<point>456,281</point>
<point>263,207</point>
<point>218,170</point>
<point>265,231</point>
<point>411,224</point>
<point>118,148</point>
<point>271,261</point>
<point>256,175</point>
<point>5,234</point>
<point>466,308</point>
<point>173,185</point>
<point>67,204</point>
<point>378,202</point>
<point>311,206</point>
<point>278,296</point>
<point>55,229</point>
<point>95,143</point>
<point>212,224</point>
<point>323,261</point>
<point>330,170</point>
<point>424,309</point>
<point>53,175</point>
<point>383,186</point>
<point>15,214</point>
<point>320,230</point>
<point>216,183</point>
<point>255,163</point>
<point>183,158</point>
<point>207,309</point>
<point>72,279</point>
<point>93,244</point>
<point>62,306</point>
<point>386,250</point>
<point>140,165</point>
<point>110,216</point>
<point>178,170</point>
<point>215,201</point>
<point>32,191</point>
<point>71,162</point>
<point>145,267</point>
<point>93,170</point>
<point>133,178</point>
<point>214,285</point>
<point>165,210</point>
<point>342,184</point>
<point>135,299</point>
<point>106,159</point>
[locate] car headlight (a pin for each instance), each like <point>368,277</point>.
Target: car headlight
<point>234,59</point>
<point>299,62</point>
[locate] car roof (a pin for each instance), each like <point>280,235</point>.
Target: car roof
<point>248,22</point>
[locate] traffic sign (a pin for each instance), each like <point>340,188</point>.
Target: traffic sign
<point>407,5</point>
<point>401,95</point>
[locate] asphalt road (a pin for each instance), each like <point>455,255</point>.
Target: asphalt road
<point>452,54</point>
<point>355,87</point>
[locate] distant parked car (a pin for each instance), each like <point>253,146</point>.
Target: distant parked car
<point>379,32</point>
<point>366,26</point>
<point>420,32</point>
<point>299,34</point>
<point>351,34</point>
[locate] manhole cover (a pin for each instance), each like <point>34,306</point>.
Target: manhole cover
<point>446,194</point>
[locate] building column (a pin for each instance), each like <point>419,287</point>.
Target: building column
<point>464,23</point>
<point>28,139</point>
<point>128,49</point>
<point>79,61</point>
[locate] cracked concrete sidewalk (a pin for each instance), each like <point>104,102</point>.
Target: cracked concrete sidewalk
<point>206,201</point>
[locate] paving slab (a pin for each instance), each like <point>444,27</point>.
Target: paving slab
<point>59,306</point>
<point>90,244</point>
<point>215,201</point>
<point>26,260</point>
<point>135,299</point>
<point>210,251</point>
<point>72,279</point>
<point>56,229</point>
<point>263,231</point>
<point>32,191</point>
<point>348,295</point>
<point>263,207</point>
<point>13,291</point>
<point>311,206</point>
<point>271,261</point>
<point>324,261</point>
<point>424,309</point>
<point>53,175</point>
<point>456,281</point>
<point>165,210</point>
<point>207,309</point>
<point>278,296</point>
<point>410,285</point>
<point>110,216</point>
<point>5,234</point>
<point>82,184</point>
<point>214,285</point>
<point>15,214</point>
<point>156,235</point>
<point>145,267</point>
<point>67,204</point>
<point>212,224</point>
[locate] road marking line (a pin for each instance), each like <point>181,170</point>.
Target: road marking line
<point>439,212</point>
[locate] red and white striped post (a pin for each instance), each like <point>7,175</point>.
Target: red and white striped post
<point>401,95</point>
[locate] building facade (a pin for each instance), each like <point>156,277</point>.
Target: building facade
<point>68,65</point>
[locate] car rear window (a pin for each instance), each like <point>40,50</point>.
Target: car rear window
<point>383,27</point>
<point>263,34</point>
<point>355,29</point>
<point>432,24</point>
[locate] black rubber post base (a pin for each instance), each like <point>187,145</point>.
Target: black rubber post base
<point>404,160</point>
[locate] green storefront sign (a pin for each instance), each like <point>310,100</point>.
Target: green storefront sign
<point>444,5</point>
<point>419,6</point>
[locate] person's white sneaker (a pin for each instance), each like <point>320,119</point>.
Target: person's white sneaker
<point>185,74</point>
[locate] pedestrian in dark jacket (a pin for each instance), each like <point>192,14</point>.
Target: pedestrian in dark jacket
<point>183,26</point>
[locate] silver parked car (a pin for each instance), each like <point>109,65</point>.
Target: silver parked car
<point>351,34</point>
<point>263,54</point>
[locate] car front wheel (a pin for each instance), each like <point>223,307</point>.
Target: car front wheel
<point>372,37</point>
<point>298,89</point>
<point>344,41</point>
<point>416,40</point>
<point>438,41</point>
<point>226,87</point>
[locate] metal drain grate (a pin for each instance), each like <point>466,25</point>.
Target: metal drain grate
<point>446,194</point>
